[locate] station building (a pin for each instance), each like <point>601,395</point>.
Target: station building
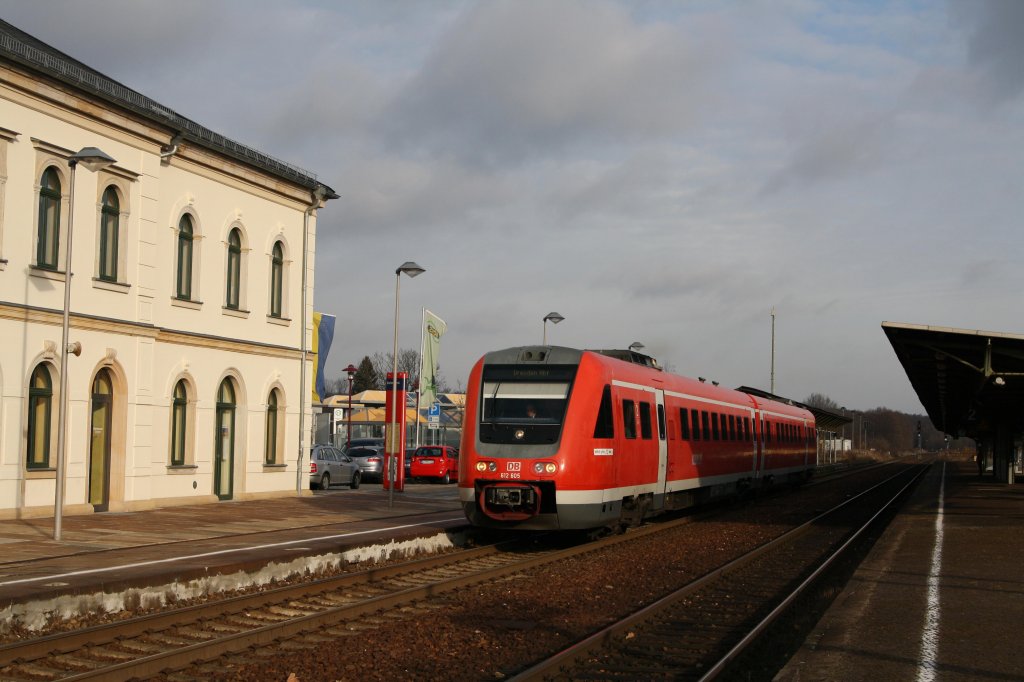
<point>190,303</point>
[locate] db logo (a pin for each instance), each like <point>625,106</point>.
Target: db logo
<point>514,466</point>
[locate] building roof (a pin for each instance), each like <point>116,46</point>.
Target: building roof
<point>32,53</point>
<point>969,381</point>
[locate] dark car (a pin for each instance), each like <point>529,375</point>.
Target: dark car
<point>370,459</point>
<point>436,461</point>
<point>328,465</point>
<point>409,452</point>
<point>362,443</point>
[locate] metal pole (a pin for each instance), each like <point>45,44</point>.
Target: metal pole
<point>62,409</point>
<point>394,400</point>
<point>772,390</point>
<point>348,431</point>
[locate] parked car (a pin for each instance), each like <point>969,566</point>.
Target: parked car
<point>362,443</point>
<point>328,465</point>
<point>370,459</point>
<point>436,461</point>
<point>409,452</point>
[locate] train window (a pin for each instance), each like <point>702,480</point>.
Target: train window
<point>714,426</point>
<point>695,423</point>
<point>661,422</point>
<point>732,427</point>
<point>645,421</point>
<point>767,432</point>
<point>705,424</point>
<point>512,396</point>
<point>746,428</point>
<point>605,426</point>
<point>629,418</point>
<point>684,424</point>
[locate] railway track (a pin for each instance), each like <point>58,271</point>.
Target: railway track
<point>274,622</point>
<point>149,645</point>
<point>701,629</point>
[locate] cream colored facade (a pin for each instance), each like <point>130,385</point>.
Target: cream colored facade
<point>136,331</point>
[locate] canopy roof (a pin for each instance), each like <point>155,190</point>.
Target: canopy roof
<point>968,380</point>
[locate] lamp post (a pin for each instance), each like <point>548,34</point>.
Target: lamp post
<point>636,346</point>
<point>412,270</point>
<point>554,318</point>
<point>93,159</point>
<point>350,371</point>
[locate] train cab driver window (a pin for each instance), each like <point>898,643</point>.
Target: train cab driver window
<point>605,425</point>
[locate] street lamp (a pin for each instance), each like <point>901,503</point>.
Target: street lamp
<point>350,371</point>
<point>555,318</point>
<point>636,346</point>
<point>93,159</point>
<point>412,270</point>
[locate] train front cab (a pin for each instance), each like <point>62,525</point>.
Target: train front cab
<point>543,451</point>
<point>515,410</point>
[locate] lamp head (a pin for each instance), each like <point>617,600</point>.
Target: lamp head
<point>92,158</point>
<point>350,371</point>
<point>554,318</point>
<point>410,268</point>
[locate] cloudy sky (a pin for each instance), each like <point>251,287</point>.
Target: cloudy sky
<point>655,171</point>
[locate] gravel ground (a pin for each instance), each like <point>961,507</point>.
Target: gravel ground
<point>490,632</point>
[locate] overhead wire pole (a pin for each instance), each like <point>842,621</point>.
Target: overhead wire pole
<point>772,390</point>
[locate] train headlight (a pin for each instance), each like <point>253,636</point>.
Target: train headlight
<point>519,434</point>
<point>481,466</point>
<point>545,468</point>
<point>538,468</point>
<point>492,467</point>
<point>550,467</point>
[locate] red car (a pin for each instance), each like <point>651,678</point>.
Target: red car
<point>435,461</point>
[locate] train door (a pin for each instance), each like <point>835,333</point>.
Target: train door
<point>659,497</point>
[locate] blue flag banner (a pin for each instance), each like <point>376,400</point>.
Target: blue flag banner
<point>322,339</point>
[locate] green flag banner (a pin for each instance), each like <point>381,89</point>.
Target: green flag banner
<point>433,329</point>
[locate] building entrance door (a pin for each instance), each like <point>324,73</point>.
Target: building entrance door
<point>224,459</point>
<point>99,441</point>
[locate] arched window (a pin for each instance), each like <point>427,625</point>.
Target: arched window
<point>185,250</point>
<point>109,219</point>
<point>179,422</point>
<point>40,406</point>
<point>48,244</point>
<point>234,273</point>
<point>276,280</point>
<point>270,446</point>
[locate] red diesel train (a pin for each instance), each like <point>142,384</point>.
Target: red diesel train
<point>559,438</point>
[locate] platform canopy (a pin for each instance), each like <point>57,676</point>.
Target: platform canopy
<point>969,381</point>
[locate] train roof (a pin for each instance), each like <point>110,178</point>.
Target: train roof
<point>561,355</point>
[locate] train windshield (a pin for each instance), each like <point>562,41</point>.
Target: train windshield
<point>514,395</point>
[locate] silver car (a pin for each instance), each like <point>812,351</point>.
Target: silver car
<point>370,460</point>
<point>330,465</point>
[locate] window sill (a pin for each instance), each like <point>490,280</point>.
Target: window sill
<point>234,312</point>
<point>181,469</point>
<point>33,474</point>
<point>274,467</point>
<point>186,303</point>
<point>46,273</point>
<point>107,285</point>
<point>282,321</point>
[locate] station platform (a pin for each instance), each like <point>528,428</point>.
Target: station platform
<point>179,552</point>
<point>939,597</point>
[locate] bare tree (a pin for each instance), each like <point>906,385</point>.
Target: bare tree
<point>821,400</point>
<point>408,362</point>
